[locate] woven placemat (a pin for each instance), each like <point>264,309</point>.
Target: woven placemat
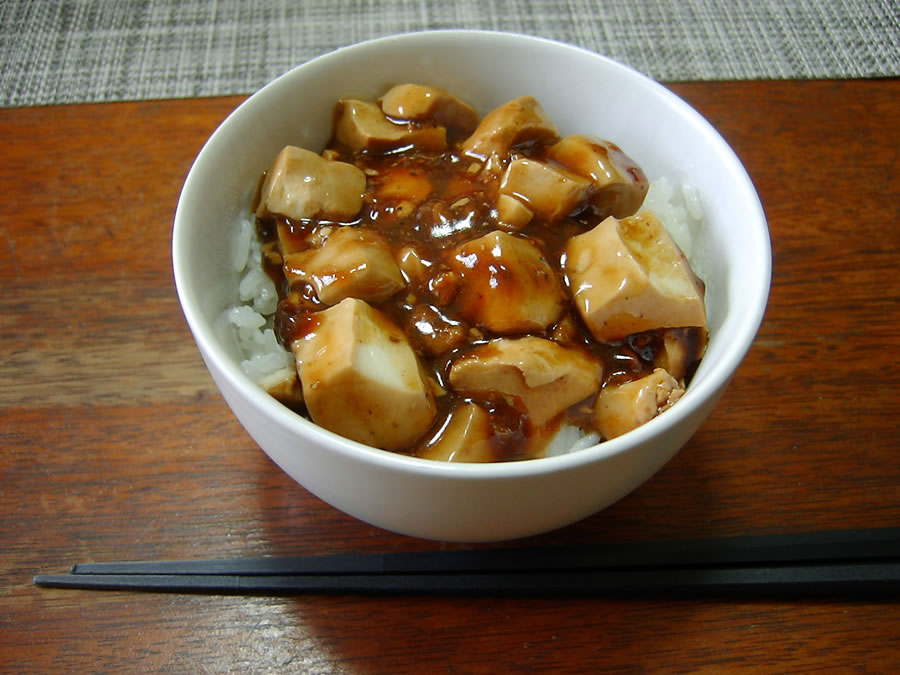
<point>113,50</point>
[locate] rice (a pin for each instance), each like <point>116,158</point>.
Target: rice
<point>679,209</point>
<point>677,206</point>
<point>570,439</point>
<point>252,320</point>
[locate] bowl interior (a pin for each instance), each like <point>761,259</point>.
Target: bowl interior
<point>581,91</point>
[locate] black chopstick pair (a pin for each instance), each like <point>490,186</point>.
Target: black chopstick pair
<point>833,563</point>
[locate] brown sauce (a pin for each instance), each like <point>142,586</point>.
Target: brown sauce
<point>455,206</point>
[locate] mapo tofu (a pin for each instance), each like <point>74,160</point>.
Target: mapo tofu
<point>459,288</point>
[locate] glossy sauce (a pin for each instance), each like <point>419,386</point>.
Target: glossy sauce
<point>452,203</point>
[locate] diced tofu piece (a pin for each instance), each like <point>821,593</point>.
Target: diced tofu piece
<point>360,125</point>
<point>566,332</point>
<point>301,184</point>
<point>300,301</point>
<point>629,276</point>
<point>507,285</point>
<point>466,437</point>
<point>283,385</point>
<point>444,287</point>
<point>361,379</point>
<point>545,377</point>
<point>512,213</point>
<point>401,183</point>
<point>432,332</point>
<point>550,192</point>
<point>682,349</point>
<point>419,103</point>
<point>521,120</point>
<point>291,239</point>
<point>353,262</point>
<point>619,409</point>
<point>398,191</point>
<point>620,183</point>
<point>414,267</point>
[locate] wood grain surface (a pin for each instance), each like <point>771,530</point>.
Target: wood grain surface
<point>116,444</point>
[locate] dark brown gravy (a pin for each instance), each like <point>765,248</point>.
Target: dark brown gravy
<point>458,207</point>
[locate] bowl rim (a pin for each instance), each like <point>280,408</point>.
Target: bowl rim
<point>696,394</point>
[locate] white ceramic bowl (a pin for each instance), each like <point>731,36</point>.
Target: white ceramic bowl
<point>583,93</point>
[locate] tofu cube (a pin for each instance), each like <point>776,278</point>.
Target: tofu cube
<point>413,266</point>
<point>682,349</point>
<point>432,333</point>
<point>512,213</point>
<point>619,183</point>
<point>361,379</point>
<point>521,120</point>
<point>283,385</point>
<point>629,276</point>
<point>360,125</point>
<point>418,103</point>
<point>550,192</point>
<point>466,437</point>
<point>543,376</point>
<point>624,407</point>
<point>401,184</point>
<point>507,285</point>
<point>301,184</point>
<point>353,262</point>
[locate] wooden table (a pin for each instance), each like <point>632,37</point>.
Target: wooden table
<point>116,444</point>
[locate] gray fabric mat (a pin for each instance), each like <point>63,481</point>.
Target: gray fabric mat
<point>111,50</point>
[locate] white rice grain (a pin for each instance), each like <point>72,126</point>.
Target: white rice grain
<point>258,288</point>
<point>240,249</point>
<point>692,203</point>
<point>242,316</point>
<point>680,210</point>
<point>569,439</point>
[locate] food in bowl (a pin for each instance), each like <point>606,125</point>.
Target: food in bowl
<point>466,289</point>
<point>582,92</point>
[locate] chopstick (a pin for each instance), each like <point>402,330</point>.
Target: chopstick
<point>855,562</point>
<point>837,580</point>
